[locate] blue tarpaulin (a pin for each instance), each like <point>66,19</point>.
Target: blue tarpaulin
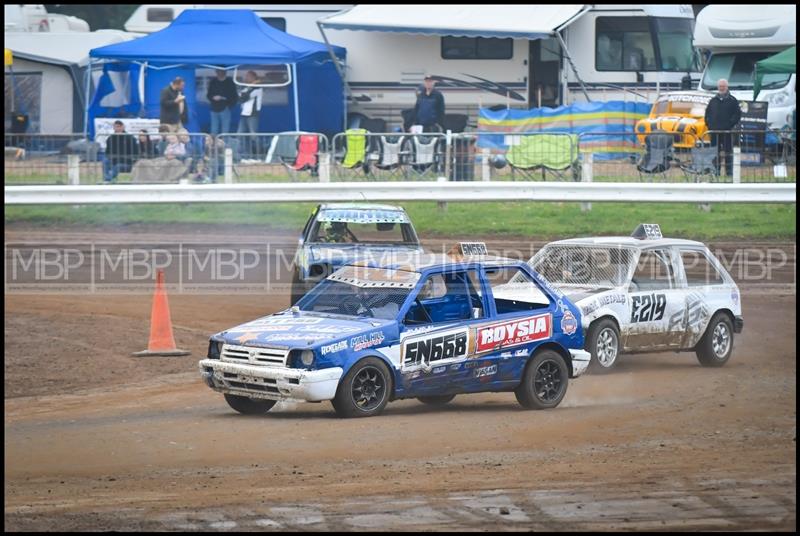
<point>228,38</point>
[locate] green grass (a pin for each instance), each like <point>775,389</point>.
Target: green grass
<point>540,220</point>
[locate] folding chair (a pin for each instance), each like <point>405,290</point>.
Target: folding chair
<point>389,156</point>
<point>657,156</point>
<point>423,153</point>
<point>353,155</point>
<point>703,163</point>
<point>554,154</point>
<point>306,158</point>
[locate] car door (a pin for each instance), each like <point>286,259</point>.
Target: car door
<point>437,332</point>
<point>657,297</point>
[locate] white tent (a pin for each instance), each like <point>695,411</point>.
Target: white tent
<point>48,78</point>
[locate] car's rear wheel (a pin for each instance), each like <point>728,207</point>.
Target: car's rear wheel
<point>439,400</point>
<point>249,406</point>
<point>716,346</point>
<point>603,343</point>
<point>544,382</point>
<point>365,389</point>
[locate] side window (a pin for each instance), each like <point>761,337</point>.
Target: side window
<point>699,270</point>
<point>513,290</point>
<point>624,44</point>
<point>444,298</point>
<point>653,271</point>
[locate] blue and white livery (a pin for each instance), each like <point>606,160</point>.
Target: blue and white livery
<point>431,328</point>
<point>340,233</point>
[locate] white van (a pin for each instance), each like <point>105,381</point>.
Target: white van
<point>737,36</point>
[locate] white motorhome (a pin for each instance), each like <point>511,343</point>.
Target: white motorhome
<point>619,52</point>
<point>517,55</point>
<point>296,19</point>
<point>35,18</point>
<point>737,36</point>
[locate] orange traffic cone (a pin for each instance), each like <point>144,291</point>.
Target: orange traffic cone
<point>161,339</point>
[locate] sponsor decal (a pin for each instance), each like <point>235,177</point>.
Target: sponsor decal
<point>335,347</point>
<point>470,364</point>
<point>439,370</point>
<point>569,324</point>
<point>367,340</point>
<point>514,332</point>
<point>590,308</point>
<point>457,366</point>
<point>435,347</point>
<point>603,301</point>
<point>521,353</point>
<point>286,321</point>
<point>692,318</point>
<point>293,337</point>
<point>485,371</point>
<point>648,307</point>
<point>505,355</point>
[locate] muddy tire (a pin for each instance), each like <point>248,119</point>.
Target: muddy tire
<point>603,343</point>
<point>544,382</point>
<point>440,400</point>
<point>249,406</point>
<point>716,346</point>
<point>365,389</point>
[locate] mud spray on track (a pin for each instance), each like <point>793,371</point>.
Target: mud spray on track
<point>96,439</point>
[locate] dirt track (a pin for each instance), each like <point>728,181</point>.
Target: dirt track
<point>132,444</point>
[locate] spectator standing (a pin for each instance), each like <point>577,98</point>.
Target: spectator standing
<point>429,109</point>
<point>174,110</point>
<point>250,98</point>
<point>222,97</point>
<point>121,152</point>
<point>723,113</point>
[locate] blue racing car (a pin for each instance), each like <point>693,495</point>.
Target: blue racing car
<point>341,233</point>
<point>430,328</point>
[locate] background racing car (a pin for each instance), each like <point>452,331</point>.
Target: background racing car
<point>646,293</point>
<point>339,233</point>
<point>431,329</point>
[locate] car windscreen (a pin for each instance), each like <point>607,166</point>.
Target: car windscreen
<point>335,297</point>
<point>596,267</point>
<point>341,232</point>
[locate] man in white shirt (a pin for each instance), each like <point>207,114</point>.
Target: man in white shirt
<point>250,98</point>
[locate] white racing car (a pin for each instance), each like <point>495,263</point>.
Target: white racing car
<point>646,293</point>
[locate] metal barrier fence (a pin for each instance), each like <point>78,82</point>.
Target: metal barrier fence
<point>358,155</point>
<point>277,157</point>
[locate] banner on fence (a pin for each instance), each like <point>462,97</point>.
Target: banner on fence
<point>606,128</point>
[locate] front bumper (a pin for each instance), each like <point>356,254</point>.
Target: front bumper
<point>580,361</point>
<point>270,383</point>
<point>738,324</point>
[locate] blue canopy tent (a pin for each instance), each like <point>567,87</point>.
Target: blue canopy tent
<point>211,38</point>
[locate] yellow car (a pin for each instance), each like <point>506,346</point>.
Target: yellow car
<point>681,112</point>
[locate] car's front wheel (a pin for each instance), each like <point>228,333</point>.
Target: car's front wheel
<point>716,346</point>
<point>249,406</point>
<point>603,343</point>
<point>544,382</point>
<point>364,391</point>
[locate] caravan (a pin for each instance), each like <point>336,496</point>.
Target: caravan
<point>736,38</point>
<point>521,56</point>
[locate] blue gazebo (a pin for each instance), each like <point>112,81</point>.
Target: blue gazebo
<point>212,38</point>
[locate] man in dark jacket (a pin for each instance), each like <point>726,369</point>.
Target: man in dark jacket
<point>723,113</point>
<point>174,111</point>
<point>121,151</point>
<point>429,109</point>
<point>222,97</point>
